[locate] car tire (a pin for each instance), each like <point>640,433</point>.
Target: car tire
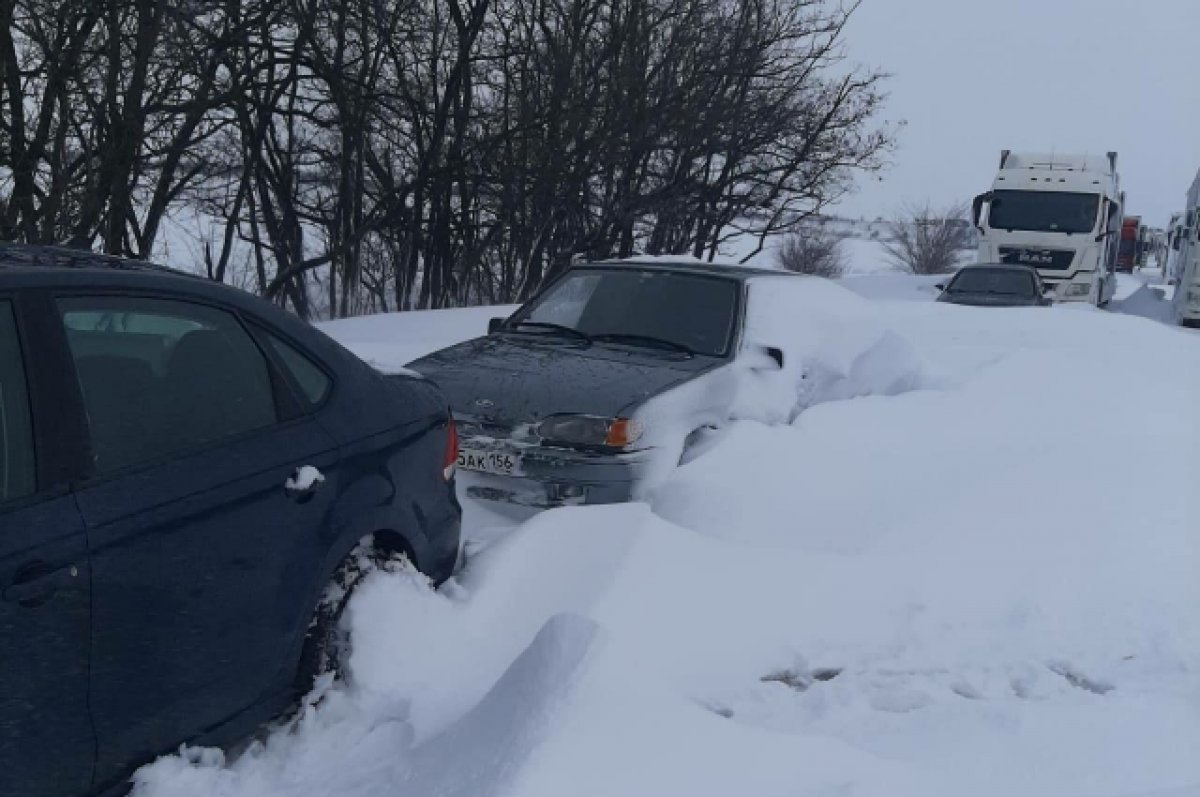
<point>327,645</point>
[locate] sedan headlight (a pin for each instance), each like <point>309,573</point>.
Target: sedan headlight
<point>589,430</point>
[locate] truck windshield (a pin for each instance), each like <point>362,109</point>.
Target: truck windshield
<point>1043,211</point>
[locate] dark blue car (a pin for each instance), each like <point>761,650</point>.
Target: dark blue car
<point>185,470</point>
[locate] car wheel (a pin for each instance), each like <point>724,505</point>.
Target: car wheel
<point>327,645</point>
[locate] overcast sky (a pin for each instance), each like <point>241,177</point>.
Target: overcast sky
<point>972,77</point>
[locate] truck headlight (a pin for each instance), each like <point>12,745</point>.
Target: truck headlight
<point>1078,289</point>
<point>1193,297</point>
<point>590,430</point>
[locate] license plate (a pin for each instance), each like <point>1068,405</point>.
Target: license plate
<point>497,462</point>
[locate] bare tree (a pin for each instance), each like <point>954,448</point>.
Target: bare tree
<point>342,156</point>
<point>922,240</point>
<point>814,251</point>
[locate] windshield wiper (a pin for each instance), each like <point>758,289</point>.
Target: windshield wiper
<point>644,340</point>
<point>552,327</point>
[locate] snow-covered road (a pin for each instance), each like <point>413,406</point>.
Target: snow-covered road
<point>987,586</point>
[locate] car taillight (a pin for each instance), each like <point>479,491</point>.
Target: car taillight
<point>450,459</point>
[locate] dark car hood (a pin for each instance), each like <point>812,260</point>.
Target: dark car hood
<point>508,380</point>
<point>988,299</point>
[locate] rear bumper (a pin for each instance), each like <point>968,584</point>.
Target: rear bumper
<point>554,477</point>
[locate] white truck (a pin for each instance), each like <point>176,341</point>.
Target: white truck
<point>1058,213</point>
<point>1187,265</point>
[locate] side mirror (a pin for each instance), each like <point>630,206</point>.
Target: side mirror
<point>1104,235</point>
<point>764,358</point>
<point>495,325</point>
<point>941,286</point>
<point>977,209</point>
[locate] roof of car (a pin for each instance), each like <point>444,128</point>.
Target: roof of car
<point>1009,266</point>
<point>45,257</point>
<point>689,265</point>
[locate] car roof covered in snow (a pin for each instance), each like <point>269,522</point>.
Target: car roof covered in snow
<point>689,265</point>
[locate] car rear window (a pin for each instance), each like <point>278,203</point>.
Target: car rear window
<point>162,376</point>
<point>17,476</point>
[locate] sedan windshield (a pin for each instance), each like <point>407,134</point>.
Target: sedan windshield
<point>1043,211</point>
<point>648,308</point>
<point>1000,281</point>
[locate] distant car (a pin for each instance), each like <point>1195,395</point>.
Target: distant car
<point>581,391</point>
<point>191,483</point>
<point>996,285</point>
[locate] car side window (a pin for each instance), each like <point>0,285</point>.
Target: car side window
<point>307,375</point>
<point>17,475</point>
<point>161,377</point>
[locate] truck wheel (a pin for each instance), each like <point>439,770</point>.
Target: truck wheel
<point>327,645</point>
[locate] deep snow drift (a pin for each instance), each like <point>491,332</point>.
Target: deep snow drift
<point>984,586</point>
<point>390,341</point>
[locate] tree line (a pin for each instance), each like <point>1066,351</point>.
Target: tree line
<point>348,156</point>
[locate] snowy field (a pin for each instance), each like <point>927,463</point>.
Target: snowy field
<point>986,586</point>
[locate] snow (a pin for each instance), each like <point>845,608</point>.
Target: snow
<point>389,341</point>
<point>304,479</point>
<point>981,582</point>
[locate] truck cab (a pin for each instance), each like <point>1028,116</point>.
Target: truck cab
<point>1060,214</point>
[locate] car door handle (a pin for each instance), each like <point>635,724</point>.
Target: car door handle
<point>304,483</point>
<point>35,584</point>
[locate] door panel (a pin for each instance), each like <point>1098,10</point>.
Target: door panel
<point>202,559</point>
<point>46,740</point>
<point>199,568</point>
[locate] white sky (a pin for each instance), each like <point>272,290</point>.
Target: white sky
<point>972,77</point>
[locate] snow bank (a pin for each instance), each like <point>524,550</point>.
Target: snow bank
<point>985,586</point>
<point>834,347</point>
<point>894,286</point>
<point>389,341</point>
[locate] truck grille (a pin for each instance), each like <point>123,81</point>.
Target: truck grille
<point>1038,258</point>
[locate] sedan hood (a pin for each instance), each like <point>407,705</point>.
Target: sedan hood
<point>508,380</point>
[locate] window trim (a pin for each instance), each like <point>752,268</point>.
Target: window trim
<point>288,415</point>
<point>60,434</point>
<point>24,360</point>
<point>261,332</point>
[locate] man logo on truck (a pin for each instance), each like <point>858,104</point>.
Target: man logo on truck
<point>1035,258</point>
